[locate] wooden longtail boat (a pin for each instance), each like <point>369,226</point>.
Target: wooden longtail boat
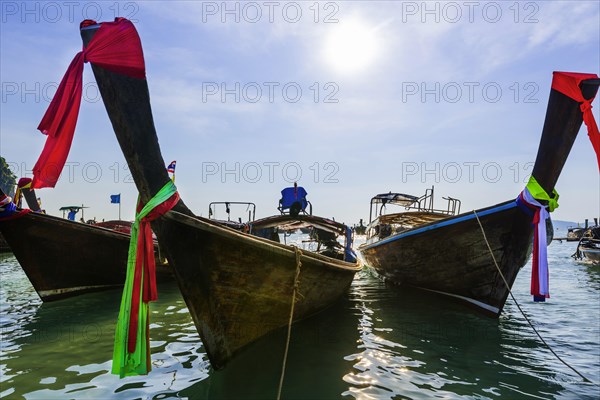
<point>588,248</point>
<point>448,254</point>
<point>64,258</point>
<point>574,234</point>
<point>237,287</point>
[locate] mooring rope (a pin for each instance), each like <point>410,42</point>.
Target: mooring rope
<point>298,253</point>
<point>521,310</point>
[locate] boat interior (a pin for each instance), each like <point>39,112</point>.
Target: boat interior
<point>414,211</point>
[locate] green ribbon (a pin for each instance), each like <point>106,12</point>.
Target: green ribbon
<point>138,362</point>
<point>538,193</point>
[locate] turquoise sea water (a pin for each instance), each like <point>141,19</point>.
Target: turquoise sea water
<point>379,342</point>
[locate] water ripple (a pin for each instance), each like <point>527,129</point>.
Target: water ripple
<point>379,342</point>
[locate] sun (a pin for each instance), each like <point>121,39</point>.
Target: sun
<point>351,46</point>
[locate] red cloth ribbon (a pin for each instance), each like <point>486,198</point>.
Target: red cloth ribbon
<point>116,47</point>
<point>568,84</point>
<point>23,181</point>
<point>144,261</point>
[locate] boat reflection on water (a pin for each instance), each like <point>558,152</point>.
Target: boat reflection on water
<point>406,345</point>
<point>373,343</point>
<point>51,356</point>
<point>412,345</point>
<point>593,273</point>
<point>316,362</point>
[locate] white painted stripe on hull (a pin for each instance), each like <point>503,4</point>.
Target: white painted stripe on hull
<point>495,310</point>
<point>54,292</point>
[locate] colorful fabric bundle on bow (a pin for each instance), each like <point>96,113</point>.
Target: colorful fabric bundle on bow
<point>540,282</point>
<point>568,84</point>
<point>116,47</point>
<point>132,347</point>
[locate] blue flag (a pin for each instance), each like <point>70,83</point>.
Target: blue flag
<point>115,198</point>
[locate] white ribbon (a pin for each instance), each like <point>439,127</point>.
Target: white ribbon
<point>542,245</point>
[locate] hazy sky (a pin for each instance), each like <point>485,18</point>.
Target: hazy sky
<point>349,98</point>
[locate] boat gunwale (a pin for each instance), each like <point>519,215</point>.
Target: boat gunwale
<point>286,250</point>
<point>73,224</point>
<point>441,223</point>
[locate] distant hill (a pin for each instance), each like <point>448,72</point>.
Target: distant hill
<point>563,225</point>
<point>567,224</point>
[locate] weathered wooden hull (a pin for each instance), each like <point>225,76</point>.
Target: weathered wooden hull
<point>63,258</point>
<point>451,256</point>
<point>237,287</point>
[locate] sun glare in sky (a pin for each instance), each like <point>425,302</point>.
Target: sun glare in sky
<point>351,47</point>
